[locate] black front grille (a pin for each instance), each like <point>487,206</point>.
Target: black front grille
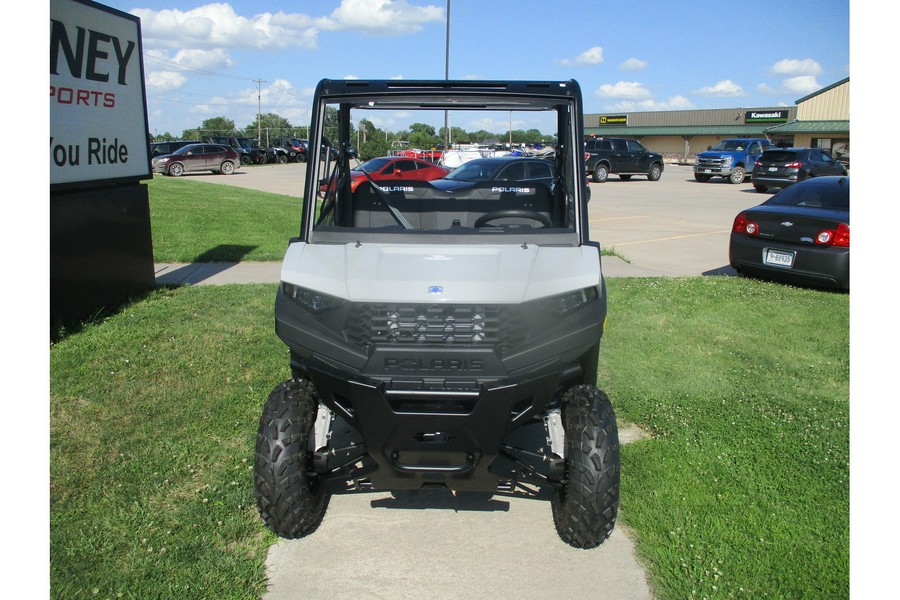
<point>476,324</point>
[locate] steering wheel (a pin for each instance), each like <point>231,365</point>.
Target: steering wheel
<point>514,214</point>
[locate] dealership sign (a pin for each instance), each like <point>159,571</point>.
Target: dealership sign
<point>98,108</point>
<point>614,119</point>
<point>766,116</point>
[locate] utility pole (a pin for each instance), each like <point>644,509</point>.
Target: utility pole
<point>259,83</point>
<point>447,139</point>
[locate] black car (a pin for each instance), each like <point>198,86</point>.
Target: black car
<point>501,170</point>
<point>621,156</point>
<point>799,235</point>
<point>160,148</point>
<point>786,166</point>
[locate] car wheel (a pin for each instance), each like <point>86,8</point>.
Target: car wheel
<point>587,503</point>
<point>301,158</point>
<point>702,178</point>
<point>655,172</point>
<point>290,497</point>
<point>624,177</point>
<point>737,175</point>
<point>282,159</point>
<point>245,160</point>
<point>227,168</point>
<point>759,188</point>
<point>600,174</point>
<point>176,170</point>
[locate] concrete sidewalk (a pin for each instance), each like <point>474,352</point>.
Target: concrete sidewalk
<point>270,272</point>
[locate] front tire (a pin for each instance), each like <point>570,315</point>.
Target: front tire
<point>601,174</point>
<point>655,172</point>
<point>176,170</point>
<point>586,506</point>
<point>737,175</point>
<point>702,178</point>
<point>290,496</point>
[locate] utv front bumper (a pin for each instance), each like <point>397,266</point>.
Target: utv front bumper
<point>436,410</point>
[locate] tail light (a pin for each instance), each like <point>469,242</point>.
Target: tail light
<point>839,237</point>
<point>757,165</point>
<point>587,155</point>
<point>743,225</point>
<point>793,165</point>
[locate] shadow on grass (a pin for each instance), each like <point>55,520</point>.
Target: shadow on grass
<point>204,266</point>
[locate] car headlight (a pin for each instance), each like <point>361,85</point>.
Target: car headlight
<point>727,160</point>
<point>564,304</point>
<point>314,302</point>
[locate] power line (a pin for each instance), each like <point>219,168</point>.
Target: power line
<point>186,68</point>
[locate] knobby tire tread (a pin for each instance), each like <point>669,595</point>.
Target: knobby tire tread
<point>289,499</point>
<point>586,507</point>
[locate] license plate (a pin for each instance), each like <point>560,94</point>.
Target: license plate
<point>779,258</point>
<point>707,170</point>
<point>772,169</point>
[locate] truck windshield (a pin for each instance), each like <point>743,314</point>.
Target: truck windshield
<point>730,145</point>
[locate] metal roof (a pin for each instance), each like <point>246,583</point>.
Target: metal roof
<point>755,130</point>
<point>823,90</point>
<point>810,127</point>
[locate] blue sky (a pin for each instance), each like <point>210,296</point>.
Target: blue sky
<point>201,58</point>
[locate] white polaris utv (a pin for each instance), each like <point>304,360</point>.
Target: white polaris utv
<point>441,336</point>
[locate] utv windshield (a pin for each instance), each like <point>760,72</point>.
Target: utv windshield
<point>519,172</point>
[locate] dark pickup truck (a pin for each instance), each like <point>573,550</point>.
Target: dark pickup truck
<point>622,157</point>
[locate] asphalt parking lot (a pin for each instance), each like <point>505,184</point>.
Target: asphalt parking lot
<point>675,226</point>
<point>438,545</point>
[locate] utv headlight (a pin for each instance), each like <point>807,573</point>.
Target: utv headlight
<point>314,302</point>
<point>564,304</point>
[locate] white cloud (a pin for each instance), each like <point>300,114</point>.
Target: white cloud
<point>204,60</point>
<point>673,103</point>
<point>633,64</point>
<point>803,84</point>
<point>218,26</point>
<point>722,89</point>
<point>381,17</point>
<point>791,67</point>
<point>591,56</point>
<point>800,85</point>
<point>625,90</point>
<point>165,80</point>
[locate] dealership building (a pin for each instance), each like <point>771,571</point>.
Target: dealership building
<point>819,120</point>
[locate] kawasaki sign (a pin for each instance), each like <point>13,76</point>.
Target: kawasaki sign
<point>766,116</point>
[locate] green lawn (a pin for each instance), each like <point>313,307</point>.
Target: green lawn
<point>193,221</point>
<point>742,492</point>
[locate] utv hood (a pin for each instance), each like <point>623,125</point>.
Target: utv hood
<point>503,274</point>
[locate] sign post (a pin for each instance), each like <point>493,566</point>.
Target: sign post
<point>100,244</point>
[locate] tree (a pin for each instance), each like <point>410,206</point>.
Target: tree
<point>370,141</point>
<point>218,126</point>
<point>423,136</point>
<point>272,126</point>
